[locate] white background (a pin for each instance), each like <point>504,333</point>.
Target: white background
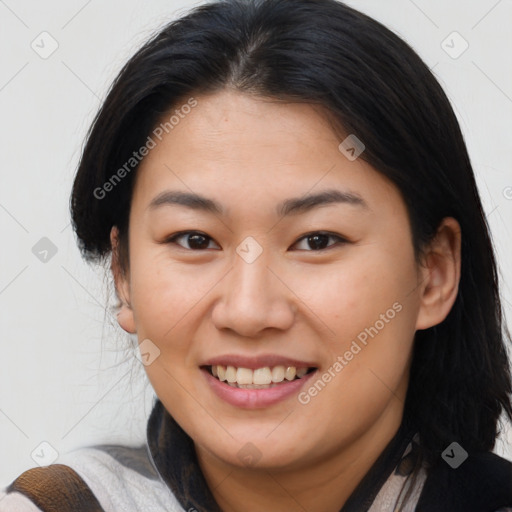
<point>67,377</point>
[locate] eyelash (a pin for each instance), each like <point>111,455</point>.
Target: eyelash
<point>176,236</point>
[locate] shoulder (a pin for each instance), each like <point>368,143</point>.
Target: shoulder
<point>119,478</point>
<point>14,501</point>
<point>482,482</point>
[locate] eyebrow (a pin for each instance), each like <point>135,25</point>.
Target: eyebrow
<point>292,206</point>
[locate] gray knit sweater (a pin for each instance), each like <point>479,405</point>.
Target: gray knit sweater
<point>163,476</point>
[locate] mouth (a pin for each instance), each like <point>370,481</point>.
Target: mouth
<point>259,381</point>
<point>258,378</point>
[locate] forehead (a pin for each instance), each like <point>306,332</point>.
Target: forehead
<point>241,126</point>
<point>232,143</point>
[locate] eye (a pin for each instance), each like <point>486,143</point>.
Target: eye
<point>318,240</point>
<point>196,240</point>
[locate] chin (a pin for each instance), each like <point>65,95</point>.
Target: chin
<point>259,452</point>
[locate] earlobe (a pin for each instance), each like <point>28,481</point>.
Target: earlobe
<point>125,319</point>
<point>125,316</point>
<point>441,273</point>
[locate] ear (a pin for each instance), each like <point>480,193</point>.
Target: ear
<point>441,275</point>
<point>125,316</point>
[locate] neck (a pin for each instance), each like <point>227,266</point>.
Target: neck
<point>324,485</point>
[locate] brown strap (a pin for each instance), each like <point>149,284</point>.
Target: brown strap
<point>56,488</point>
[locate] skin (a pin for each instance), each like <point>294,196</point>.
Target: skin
<point>250,154</point>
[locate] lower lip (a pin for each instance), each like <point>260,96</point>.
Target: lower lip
<point>255,398</point>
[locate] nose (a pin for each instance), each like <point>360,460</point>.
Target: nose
<point>253,298</point>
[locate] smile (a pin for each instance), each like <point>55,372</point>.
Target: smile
<point>258,378</point>
<point>256,383</point>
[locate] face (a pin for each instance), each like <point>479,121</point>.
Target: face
<point>297,260</point>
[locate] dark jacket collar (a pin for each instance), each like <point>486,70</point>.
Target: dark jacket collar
<point>175,458</point>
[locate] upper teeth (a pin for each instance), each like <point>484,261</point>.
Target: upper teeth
<point>259,376</point>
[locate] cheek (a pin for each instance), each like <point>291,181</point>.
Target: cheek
<point>163,303</point>
<point>159,301</point>
<point>374,339</point>
<point>163,293</point>
<point>351,295</point>
<point>170,301</point>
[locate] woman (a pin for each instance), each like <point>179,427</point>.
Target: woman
<point>297,240</point>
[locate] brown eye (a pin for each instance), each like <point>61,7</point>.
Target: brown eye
<point>195,240</point>
<point>319,241</point>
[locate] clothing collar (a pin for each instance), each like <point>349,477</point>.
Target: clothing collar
<point>176,461</point>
